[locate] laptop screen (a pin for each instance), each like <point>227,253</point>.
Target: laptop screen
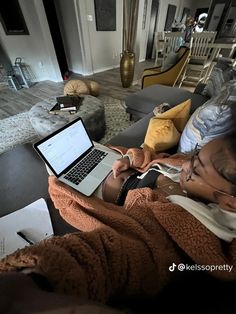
<point>64,147</point>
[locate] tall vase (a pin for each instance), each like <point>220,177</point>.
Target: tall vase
<point>127,68</point>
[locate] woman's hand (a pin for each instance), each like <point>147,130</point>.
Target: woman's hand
<point>120,165</point>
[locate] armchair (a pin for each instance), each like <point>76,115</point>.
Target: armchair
<point>170,76</point>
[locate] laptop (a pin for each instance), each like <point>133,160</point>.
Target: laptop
<point>75,159</point>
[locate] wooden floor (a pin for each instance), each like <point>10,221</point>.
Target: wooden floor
<point>13,102</point>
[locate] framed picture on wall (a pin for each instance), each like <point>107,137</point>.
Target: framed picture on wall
<point>12,18</point>
<point>105,14</point>
<point>170,17</point>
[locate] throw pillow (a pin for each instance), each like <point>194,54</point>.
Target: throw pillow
<point>179,114</point>
<point>222,72</point>
<point>76,87</point>
<point>161,135</point>
<point>164,130</point>
<point>170,60</point>
<point>211,120</point>
<point>93,87</point>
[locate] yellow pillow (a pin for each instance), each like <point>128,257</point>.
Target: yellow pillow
<point>76,87</point>
<point>178,114</point>
<point>164,130</point>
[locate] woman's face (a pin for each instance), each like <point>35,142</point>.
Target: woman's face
<point>205,179</point>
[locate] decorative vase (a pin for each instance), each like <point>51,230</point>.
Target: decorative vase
<point>127,68</point>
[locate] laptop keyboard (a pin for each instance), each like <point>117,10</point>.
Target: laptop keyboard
<point>85,166</point>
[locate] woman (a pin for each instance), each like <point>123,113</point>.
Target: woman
<point>134,249</point>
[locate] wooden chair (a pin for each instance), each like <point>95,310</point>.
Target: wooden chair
<point>159,46</point>
<point>200,59</point>
<point>167,77</point>
<point>172,42</point>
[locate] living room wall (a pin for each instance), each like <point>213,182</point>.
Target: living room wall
<point>87,50</point>
<point>91,51</point>
<point>36,49</point>
<point>105,45</point>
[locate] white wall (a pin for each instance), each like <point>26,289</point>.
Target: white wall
<point>88,50</point>
<point>105,46</point>
<point>36,49</point>
<point>162,12</point>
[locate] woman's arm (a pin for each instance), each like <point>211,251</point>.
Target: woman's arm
<point>133,158</point>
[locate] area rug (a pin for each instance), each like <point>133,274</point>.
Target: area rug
<point>18,129</point>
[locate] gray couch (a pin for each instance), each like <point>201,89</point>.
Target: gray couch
<point>206,294</point>
<point>143,101</point>
<point>141,104</point>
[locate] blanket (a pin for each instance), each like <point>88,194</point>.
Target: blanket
<point>123,250</point>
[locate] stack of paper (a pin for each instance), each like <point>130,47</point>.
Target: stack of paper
<point>25,226</point>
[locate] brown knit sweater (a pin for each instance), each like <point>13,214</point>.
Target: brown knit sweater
<point>123,250</point>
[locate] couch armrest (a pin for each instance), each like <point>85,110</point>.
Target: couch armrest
<point>151,71</point>
<point>134,135</point>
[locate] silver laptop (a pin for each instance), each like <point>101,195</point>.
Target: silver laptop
<point>74,159</point>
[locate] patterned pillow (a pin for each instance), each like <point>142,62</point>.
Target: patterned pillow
<point>170,60</point>
<point>211,120</point>
<point>222,72</point>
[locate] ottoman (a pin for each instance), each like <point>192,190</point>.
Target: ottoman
<point>91,111</point>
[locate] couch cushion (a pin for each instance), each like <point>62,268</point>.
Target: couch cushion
<point>161,135</point>
<point>164,130</point>
<point>145,100</point>
<point>211,120</point>
<point>170,60</point>
<point>178,114</point>
<point>222,72</point>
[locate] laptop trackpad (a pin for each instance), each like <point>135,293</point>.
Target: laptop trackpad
<point>100,172</point>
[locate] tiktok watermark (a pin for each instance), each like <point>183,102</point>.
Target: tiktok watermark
<point>197,267</point>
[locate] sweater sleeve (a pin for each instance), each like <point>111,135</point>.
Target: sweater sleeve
<point>140,157</point>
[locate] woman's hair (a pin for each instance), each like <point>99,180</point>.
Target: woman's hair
<point>226,161</point>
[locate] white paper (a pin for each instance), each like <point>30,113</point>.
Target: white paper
<point>33,220</point>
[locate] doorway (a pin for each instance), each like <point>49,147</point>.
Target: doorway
<point>53,23</point>
<point>199,11</point>
<point>152,27</point>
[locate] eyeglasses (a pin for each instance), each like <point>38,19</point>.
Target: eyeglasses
<point>194,154</point>
<point>191,170</point>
